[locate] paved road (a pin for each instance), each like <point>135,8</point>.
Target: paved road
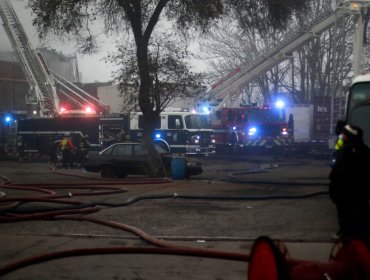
<point>187,214</point>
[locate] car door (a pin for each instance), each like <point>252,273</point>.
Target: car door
<point>140,158</point>
<point>123,158</point>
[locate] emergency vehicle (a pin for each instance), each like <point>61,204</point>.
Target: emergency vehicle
<point>358,105</point>
<point>179,129</point>
<point>179,132</point>
<point>251,128</point>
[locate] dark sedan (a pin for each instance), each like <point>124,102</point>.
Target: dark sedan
<point>122,159</point>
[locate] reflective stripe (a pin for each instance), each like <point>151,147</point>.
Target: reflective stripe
<point>64,144</point>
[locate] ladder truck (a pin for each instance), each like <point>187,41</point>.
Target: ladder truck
<point>45,85</point>
<point>226,93</point>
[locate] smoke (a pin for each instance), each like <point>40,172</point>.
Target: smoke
<point>93,68</point>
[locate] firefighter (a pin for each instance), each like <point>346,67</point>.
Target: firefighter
<point>84,149</point>
<point>348,186</point>
<point>339,143</point>
<point>67,147</point>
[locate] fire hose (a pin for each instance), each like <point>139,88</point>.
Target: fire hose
<point>278,267</point>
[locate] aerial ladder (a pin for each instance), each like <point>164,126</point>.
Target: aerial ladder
<point>227,91</point>
<point>42,90</point>
<point>44,84</point>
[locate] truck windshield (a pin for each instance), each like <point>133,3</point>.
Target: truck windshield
<point>267,115</point>
<point>359,108</point>
<point>197,122</point>
<point>360,93</point>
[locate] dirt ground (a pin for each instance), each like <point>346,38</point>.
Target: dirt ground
<point>225,209</point>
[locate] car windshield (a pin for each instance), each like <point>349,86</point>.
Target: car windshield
<point>197,122</point>
<point>107,151</point>
<point>360,93</point>
<point>160,150</point>
<point>360,116</point>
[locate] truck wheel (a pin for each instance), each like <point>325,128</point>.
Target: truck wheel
<point>108,172</point>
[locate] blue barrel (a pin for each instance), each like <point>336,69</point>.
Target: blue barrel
<point>177,168</point>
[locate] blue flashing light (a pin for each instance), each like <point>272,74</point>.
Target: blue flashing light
<point>280,104</point>
<point>158,136</point>
<point>206,110</point>
<point>234,127</point>
<point>252,131</point>
<point>8,119</point>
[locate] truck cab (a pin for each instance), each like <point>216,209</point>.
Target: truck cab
<point>358,105</point>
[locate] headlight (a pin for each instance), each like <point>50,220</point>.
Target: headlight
<point>284,131</point>
<point>252,131</point>
<point>195,139</point>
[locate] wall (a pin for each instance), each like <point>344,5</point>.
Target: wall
<point>109,95</point>
<point>13,87</point>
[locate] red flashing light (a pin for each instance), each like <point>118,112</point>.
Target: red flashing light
<point>89,110</point>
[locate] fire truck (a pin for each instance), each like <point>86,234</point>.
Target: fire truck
<point>358,105</point>
<point>251,128</point>
<point>177,131</point>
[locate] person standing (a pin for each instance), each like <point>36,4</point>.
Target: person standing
<point>84,148</point>
<point>349,188</point>
<point>67,146</point>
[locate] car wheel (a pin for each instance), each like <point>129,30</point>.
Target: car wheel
<point>107,172</point>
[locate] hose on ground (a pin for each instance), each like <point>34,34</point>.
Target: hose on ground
<point>277,182</point>
<point>79,205</point>
<point>163,247</point>
<point>193,252</point>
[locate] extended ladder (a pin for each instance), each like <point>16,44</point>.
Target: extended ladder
<point>226,91</point>
<point>43,81</point>
<point>42,93</point>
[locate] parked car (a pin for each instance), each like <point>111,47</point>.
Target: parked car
<point>121,159</point>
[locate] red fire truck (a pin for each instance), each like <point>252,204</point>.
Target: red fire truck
<point>251,128</point>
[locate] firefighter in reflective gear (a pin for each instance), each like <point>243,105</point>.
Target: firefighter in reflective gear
<point>339,143</point>
<point>348,186</point>
<point>67,147</point>
<point>84,148</point>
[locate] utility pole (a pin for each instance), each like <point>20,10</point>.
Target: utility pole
<point>360,9</point>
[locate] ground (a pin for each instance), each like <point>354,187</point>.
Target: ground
<point>226,208</point>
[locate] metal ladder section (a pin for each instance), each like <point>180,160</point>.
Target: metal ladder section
<point>225,92</point>
<point>41,79</point>
<point>43,92</point>
<point>78,95</point>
